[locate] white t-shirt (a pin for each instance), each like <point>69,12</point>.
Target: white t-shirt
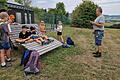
<point>59,28</point>
<point>99,19</point>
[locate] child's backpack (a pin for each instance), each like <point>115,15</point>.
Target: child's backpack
<point>70,41</point>
<point>33,66</point>
<point>25,57</point>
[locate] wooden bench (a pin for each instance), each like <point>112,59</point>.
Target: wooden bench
<point>33,45</point>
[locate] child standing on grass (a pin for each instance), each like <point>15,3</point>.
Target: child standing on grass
<point>59,31</point>
<point>4,40</point>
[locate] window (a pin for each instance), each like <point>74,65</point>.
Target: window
<point>18,17</point>
<point>25,18</point>
<point>30,18</point>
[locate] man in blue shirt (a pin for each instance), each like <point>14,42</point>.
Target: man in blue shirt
<point>98,27</point>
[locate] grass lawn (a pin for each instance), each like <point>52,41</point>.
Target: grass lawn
<point>75,63</point>
<point>111,23</point>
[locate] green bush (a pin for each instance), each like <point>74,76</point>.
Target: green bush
<point>3,4</point>
<point>83,14</point>
<point>3,1</point>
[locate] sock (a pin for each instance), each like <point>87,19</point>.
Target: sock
<point>8,59</point>
<point>3,64</point>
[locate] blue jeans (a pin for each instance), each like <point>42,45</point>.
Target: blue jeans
<point>34,37</point>
<point>99,34</point>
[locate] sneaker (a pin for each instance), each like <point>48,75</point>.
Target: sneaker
<point>11,60</point>
<point>42,43</point>
<point>50,40</point>
<point>7,65</point>
<point>3,66</point>
<point>98,55</point>
<point>63,43</point>
<point>8,60</point>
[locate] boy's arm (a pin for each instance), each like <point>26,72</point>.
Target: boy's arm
<point>27,38</point>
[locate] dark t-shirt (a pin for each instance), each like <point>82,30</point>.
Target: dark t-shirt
<point>24,36</point>
<point>29,33</point>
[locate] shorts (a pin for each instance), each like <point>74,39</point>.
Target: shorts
<point>59,33</point>
<point>34,37</point>
<point>5,45</point>
<point>99,34</point>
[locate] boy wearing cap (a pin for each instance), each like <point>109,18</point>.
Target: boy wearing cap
<point>23,35</point>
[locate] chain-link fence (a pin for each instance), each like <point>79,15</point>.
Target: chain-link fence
<point>51,20</point>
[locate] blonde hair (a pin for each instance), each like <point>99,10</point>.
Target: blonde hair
<point>60,22</point>
<point>42,23</point>
<point>3,15</point>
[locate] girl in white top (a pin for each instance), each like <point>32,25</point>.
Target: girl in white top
<point>59,31</point>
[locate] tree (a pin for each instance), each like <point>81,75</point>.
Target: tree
<point>83,14</point>
<point>3,4</point>
<point>53,14</point>
<point>67,14</point>
<point>60,8</point>
<point>3,1</point>
<point>39,14</point>
<point>52,11</point>
<point>27,2</point>
<point>24,2</point>
<point>19,1</point>
<point>59,13</point>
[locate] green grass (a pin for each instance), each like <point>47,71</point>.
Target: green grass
<point>111,23</point>
<point>75,63</point>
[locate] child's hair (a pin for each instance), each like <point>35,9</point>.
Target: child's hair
<point>42,23</point>
<point>3,15</point>
<point>32,28</point>
<point>27,27</point>
<point>24,27</point>
<point>60,22</point>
